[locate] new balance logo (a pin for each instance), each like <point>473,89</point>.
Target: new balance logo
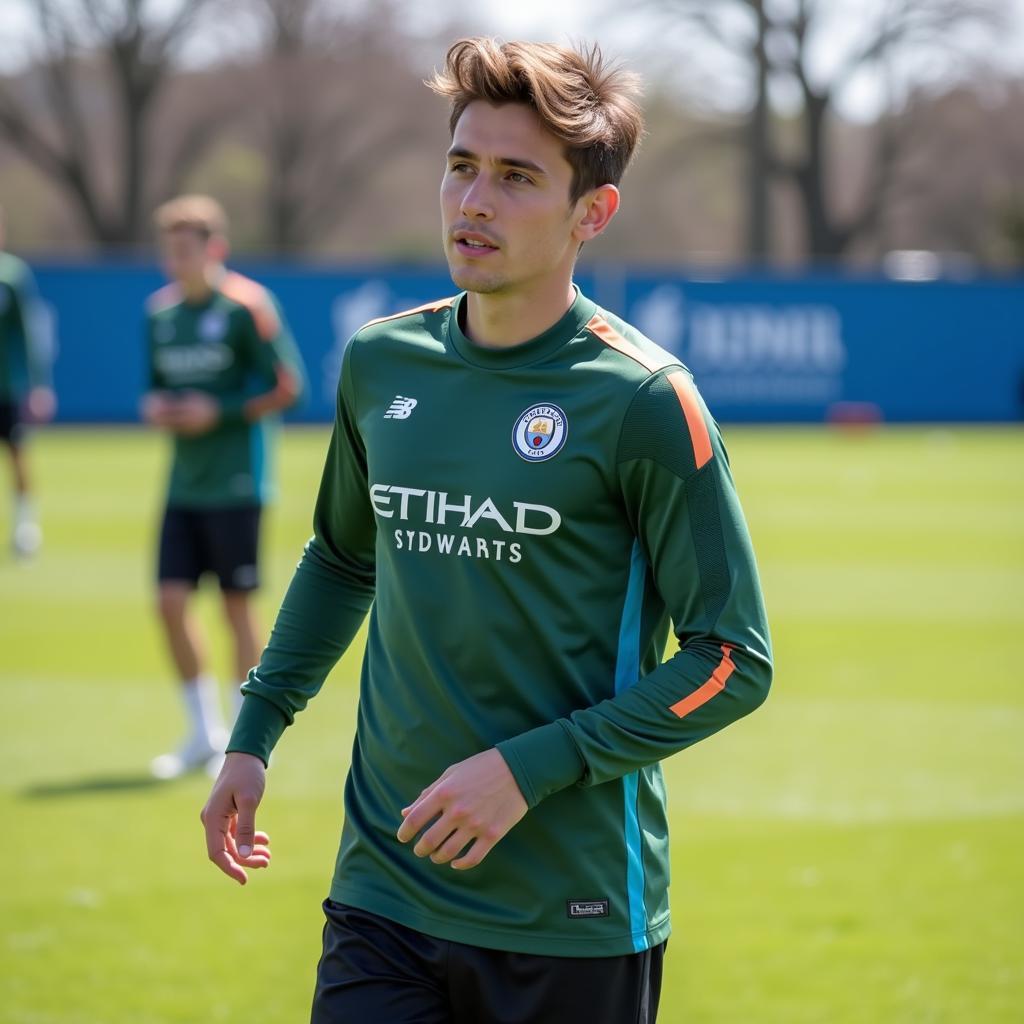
<point>400,409</point>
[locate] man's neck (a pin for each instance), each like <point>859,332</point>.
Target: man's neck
<point>503,320</point>
<point>198,289</point>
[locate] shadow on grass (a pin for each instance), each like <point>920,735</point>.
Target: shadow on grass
<point>93,786</point>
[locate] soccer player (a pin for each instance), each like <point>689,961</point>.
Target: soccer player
<point>222,365</point>
<point>26,392</point>
<point>526,491</point>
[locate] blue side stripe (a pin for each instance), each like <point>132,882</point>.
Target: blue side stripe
<point>627,671</point>
<point>257,456</point>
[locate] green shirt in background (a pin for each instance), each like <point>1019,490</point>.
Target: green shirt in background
<point>23,362</point>
<point>522,524</point>
<point>232,346</point>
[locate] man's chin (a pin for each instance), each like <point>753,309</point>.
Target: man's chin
<point>470,281</point>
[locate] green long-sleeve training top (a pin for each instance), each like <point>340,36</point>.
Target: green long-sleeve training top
<point>24,359</point>
<point>522,525</point>
<point>232,345</point>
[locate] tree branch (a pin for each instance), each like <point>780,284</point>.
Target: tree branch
<point>28,141</point>
<point>322,214</point>
<point>197,138</point>
<point>700,14</point>
<point>937,20</point>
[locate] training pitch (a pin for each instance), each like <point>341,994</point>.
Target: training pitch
<point>853,853</point>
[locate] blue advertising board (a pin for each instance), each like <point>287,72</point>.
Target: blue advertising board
<point>795,349</point>
<point>762,349</point>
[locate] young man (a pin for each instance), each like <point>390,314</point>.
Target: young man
<point>222,364</point>
<point>25,388</point>
<point>527,490</point>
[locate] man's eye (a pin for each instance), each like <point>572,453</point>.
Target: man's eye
<point>519,179</point>
<point>461,168</point>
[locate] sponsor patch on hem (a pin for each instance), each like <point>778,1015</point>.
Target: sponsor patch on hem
<point>586,908</point>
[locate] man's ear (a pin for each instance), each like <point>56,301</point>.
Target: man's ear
<point>594,211</point>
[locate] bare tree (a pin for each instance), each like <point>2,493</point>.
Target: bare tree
<point>336,94</point>
<point>1011,215</point>
<point>85,110</point>
<point>774,44</point>
<point>957,190</point>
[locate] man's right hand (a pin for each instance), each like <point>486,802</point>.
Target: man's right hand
<point>229,817</point>
<point>157,409</point>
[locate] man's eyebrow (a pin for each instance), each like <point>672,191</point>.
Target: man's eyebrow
<point>519,162</point>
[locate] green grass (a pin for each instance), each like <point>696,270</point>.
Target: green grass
<point>854,852</point>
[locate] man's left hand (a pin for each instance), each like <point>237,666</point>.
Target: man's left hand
<point>474,803</point>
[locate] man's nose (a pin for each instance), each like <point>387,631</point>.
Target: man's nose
<point>477,201</point>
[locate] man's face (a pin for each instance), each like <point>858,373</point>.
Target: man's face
<point>185,253</point>
<point>505,209</point>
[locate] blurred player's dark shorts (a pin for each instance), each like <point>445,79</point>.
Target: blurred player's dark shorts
<point>222,541</point>
<point>12,428</point>
<point>376,971</point>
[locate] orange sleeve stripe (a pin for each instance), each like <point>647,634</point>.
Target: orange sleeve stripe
<point>600,327</point>
<point>169,295</point>
<point>427,307</point>
<point>255,299</point>
<point>714,685</point>
<point>699,437</point>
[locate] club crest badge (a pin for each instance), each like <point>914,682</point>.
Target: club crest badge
<point>540,433</point>
<point>213,325</point>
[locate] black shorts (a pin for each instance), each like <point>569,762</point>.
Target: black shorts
<point>222,541</point>
<point>12,428</point>
<point>375,971</point>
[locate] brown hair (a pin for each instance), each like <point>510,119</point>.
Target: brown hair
<point>579,98</point>
<point>201,214</point>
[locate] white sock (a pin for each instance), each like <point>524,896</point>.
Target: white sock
<point>24,510</point>
<point>202,702</point>
<point>25,534</point>
<point>237,699</point>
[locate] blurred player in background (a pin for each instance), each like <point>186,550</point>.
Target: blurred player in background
<point>528,491</point>
<point>222,366</point>
<point>26,393</point>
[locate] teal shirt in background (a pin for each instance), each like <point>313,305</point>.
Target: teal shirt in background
<point>232,346</point>
<point>523,525</point>
<point>24,362</point>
